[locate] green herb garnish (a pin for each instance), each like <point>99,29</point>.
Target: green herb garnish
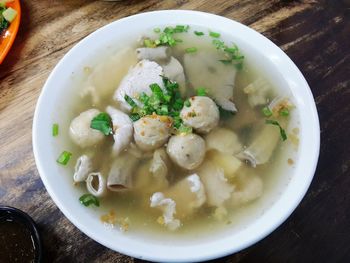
<point>184,129</point>
<point>135,116</point>
<point>103,123</point>
<point>201,92</point>
<point>166,38</point>
<point>55,129</point>
<point>284,112</point>
<point>282,131</point>
<point>214,34</point>
<point>64,158</point>
<point>149,43</point>
<point>198,33</point>
<point>191,50</point>
<point>130,101</point>
<point>187,103</point>
<point>266,111</point>
<point>232,54</point>
<point>89,199</point>
<point>218,44</point>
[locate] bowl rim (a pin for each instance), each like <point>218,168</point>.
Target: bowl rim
<point>206,255</point>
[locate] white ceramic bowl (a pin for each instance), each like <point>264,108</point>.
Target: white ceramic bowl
<point>267,55</point>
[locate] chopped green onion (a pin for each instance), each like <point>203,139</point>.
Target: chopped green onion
<point>103,123</point>
<point>284,112</point>
<point>181,29</point>
<point>232,50</point>
<point>226,61</point>
<point>214,34</point>
<point>64,158</point>
<point>55,129</point>
<point>198,33</point>
<point>144,98</point>
<point>156,30</point>
<point>266,111</point>
<point>218,44</point>
<point>149,43</point>
<point>282,131</point>
<point>177,122</point>
<point>130,101</point>
<point>187,103</point>
<point>201,92</point>
<point>89,199</point>
<point>184,129</point>
<point>178,104</point>
<point>135,116</point>
<point>191,50</point>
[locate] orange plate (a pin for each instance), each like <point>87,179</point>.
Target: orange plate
<point>9,35</point>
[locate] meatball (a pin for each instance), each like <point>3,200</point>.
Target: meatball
<point>187,151</point>
<point>203,114</point>
<point>151,132</point>
<point>80,131</point>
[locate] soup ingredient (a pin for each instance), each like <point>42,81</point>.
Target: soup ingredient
<point>218,189</point>
<point>204,69</point>
<point>103,123</point>
<point>16,241</point>
<point>229,163</point>
<point>82,168</point>
<point>188,194</point>
<point>282,131</point>
<point>89,199</point>
<point>64,158</point>
<point>122,129</point>
<point>100,82</point>
<point>187,151</point>
<point>202,115</point>
<point>258,92</point>
<point>159,167</point>
<point>55,129</point>
<point>120,175</point>
<point>151,132</point>
<point>223,140</point>
<point>249,188</point>
<point>158,54</point>
<point>80,131</point>
<point>262,146</point>
<point>96,184</point>
<point>137,82</point>
<point>168,207</point>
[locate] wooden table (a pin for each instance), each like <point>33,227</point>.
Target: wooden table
<point>315,34</point>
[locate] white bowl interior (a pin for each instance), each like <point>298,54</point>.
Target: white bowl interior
<point>276,65</point>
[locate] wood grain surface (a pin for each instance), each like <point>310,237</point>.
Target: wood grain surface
<point>315,34</point>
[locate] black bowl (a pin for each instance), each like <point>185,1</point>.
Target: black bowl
<point>16,215</point>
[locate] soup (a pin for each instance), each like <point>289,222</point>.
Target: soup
<point>177,131</point>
